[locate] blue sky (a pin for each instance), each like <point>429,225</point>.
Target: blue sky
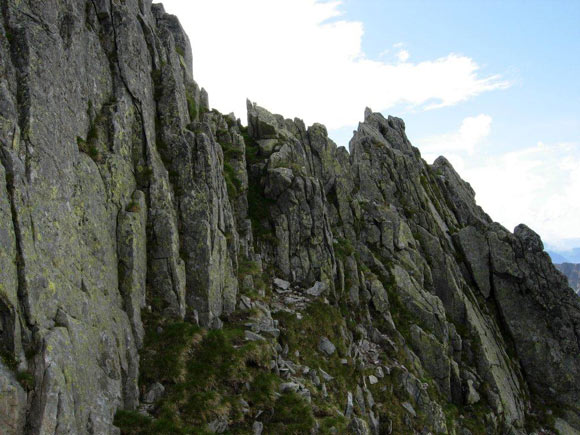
<point>494,86</point>
<point>533,44</point>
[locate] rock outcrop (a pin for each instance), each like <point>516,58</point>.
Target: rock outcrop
<point>166,269</point>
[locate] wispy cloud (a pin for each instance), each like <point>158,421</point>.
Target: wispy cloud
<point>302,58</point>
<point>471,134</point>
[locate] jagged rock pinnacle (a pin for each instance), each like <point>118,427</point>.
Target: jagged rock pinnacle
<point>163,268</point>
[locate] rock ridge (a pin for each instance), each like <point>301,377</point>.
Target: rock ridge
<point>165,269</point>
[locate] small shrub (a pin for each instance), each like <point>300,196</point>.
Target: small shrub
<point>164,349</point>
<point>343,248</point>
<point>8,360</point>
<point>92,135</point>
<point>26,379</point>
<point>191,106</point>
<point>133,207</point>
<point>94,153</point>
<point>146,173</point>
<point>89,149</point>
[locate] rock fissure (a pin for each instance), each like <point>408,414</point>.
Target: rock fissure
<point>22,290</point>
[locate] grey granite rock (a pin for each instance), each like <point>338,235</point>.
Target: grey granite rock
<point>12,403</point>
<point>123,197</point>
<point>358,426</point>
<point>326,346</point>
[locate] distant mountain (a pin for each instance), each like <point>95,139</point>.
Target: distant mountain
<point>556,257</point>
<point>572,272</point>
<point>573,255</point>
<point>559,256</point>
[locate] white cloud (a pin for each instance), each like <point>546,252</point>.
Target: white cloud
<point>537,186</point>
<point>301,58</point>
<point>403,55</point>
<point>471,134</point>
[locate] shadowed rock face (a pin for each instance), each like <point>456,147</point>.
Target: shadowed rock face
<point>124,198</point>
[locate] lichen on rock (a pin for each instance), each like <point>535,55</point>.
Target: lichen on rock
<point>165,269</point>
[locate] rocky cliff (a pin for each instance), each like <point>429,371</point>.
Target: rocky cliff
<point>165,269</point>
<point>572,272</point>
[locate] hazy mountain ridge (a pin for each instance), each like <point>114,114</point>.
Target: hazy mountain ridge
<point>572,272</point>
<point>560,256</point>
<point>167,270</point>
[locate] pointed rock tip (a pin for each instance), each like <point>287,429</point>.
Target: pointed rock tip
<point>530,239</point>
<point>159,7</point>
<point>442,161</point>
<point>368,112</point>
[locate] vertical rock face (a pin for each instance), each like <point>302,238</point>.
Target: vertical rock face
<point>12,403</point>
<point>108,204</point>
<point>290,175</point>
<point>127,206</point>
<point>541,313</point>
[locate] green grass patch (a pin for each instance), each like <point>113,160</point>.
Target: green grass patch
<point>191,107</point>
<point>343,248</point>
<point>263,390</point>
<point>233,183</point>
<point>292,415</point>
<point>252,148</point>
<point>320,320</point>
<point>247,267</point>
<point>205,374</point>
<point>165,349</point>
<point>232,156</point>
<point>230,152</point>
<point>333,425</point>
<point>132,422</point>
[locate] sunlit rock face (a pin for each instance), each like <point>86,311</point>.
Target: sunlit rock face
<point>164,264</point>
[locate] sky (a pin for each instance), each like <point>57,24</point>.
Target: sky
<point>492,85</point>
